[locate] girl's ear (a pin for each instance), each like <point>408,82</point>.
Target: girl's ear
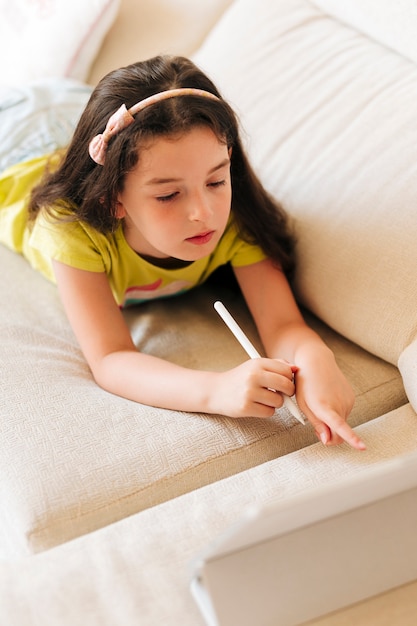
<point>120,210</point>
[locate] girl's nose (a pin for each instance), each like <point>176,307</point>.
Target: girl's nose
<point>200,209</point>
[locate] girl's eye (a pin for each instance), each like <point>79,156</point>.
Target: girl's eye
<point>217,183</point>
<point>168,197</point>
<point>171,196</point>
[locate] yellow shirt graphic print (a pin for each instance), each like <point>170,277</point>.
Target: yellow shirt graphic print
<point>135,295</point>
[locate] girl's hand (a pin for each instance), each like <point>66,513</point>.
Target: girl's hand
<point>248,390</point>
<point>323,393</point>
<point>326,398</point>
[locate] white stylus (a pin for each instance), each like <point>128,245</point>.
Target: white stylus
<point>252,352</point>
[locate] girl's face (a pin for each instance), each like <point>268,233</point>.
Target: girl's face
<point>176,201</point>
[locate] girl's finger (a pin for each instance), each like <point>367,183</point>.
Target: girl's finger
<point>333,429</point>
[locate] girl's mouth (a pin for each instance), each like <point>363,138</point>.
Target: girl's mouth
<point>202,238</point>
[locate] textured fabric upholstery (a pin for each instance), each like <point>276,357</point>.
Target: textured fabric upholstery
<point>74,457</point>
<point>138,570</point>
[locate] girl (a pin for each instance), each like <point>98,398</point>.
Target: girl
<point>141,206</point>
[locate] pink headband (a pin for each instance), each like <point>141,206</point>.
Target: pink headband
<point>124,117</point>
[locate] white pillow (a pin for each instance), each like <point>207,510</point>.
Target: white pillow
<point>51,38</point>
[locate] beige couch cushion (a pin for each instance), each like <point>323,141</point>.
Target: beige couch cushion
<point>331,122</point>
<point>144,28</point>
<point>392,23</point>
<point>74,458</point>
<point>137,572</point>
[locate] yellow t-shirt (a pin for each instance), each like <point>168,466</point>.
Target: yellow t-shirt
<point>132,278</point>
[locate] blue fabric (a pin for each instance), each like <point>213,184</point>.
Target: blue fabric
<point>38,118</point>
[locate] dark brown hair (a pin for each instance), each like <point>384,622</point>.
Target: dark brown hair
<point>90,191</point>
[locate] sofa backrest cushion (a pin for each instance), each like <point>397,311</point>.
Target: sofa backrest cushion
<point>331,123</point>
<point>390,22</point>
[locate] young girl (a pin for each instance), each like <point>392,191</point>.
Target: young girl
<point>152,195</point>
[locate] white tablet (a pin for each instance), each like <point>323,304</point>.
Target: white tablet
<point>314,553</point>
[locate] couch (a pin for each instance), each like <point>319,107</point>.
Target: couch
<point>104,501</point>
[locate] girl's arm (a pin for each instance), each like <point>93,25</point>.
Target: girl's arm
<point>120,368</point>
<point>323,393</point>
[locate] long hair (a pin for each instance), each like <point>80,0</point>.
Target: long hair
<point>89,191</point>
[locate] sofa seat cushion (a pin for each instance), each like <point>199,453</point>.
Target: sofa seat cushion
<point>137,571</point>
<point>74,458</point>
<point>330,119</point>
